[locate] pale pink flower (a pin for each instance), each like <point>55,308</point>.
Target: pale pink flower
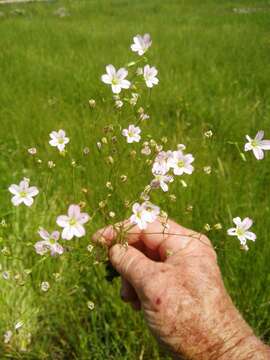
<point>59,139</point>
<point>161,164</point>
<point>23,193</point>
<point>141,44</point>
<point>116,78</point>
<point>144,214</point>
<point>181,163</point>
<point>49,243</point>
<point>73,222</point>
<point>257,145</point>
<point>241,231</point>
<point>149,74</point>
<point>162,181</point>
<point>132,133</point>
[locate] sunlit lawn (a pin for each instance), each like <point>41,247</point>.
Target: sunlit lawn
<point>214,74</point>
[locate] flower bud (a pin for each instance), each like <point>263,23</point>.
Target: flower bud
<point>110,160</point>
<point>208,134</point>
<point>112,214</point>
<point>86,150</point>
<point>164,139</point>
<point>172,197</point>
<point>109,185</point>
<point>92,103</point>
<point>99,145</point>
<point>133,153</point>
<point>32,151</point>
<point>102,204</point>
<point>217,226</point>
<point>51,164</point>
<point>207,227</point>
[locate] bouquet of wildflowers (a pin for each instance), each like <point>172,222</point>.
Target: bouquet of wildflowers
<point>131,87</point>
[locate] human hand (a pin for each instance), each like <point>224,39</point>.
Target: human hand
<point>172,274</point>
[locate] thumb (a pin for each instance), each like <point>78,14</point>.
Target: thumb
<point>132,264</point>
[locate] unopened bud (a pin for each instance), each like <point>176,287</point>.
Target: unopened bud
<point>92,103</point>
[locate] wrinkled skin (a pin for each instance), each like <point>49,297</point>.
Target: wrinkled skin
<point>172,275</point>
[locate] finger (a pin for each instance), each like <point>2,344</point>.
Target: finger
<point>109,234</point>
<point>133,265</point>
<point>162,239</point>
<point>127,292</point>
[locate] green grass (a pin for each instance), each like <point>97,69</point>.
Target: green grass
<point>214,74</point>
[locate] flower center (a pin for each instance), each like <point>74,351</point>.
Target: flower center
<point>23,194</point>
<point>61,141</point>
<point>254,143</point>
<point>240,232</point>
<point>181,163</point>
<point>51,241</point>
<point>115,81</point>
<point>72,221</point>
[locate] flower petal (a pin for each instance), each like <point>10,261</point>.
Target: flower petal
<point>44,234</point>
<point>237,221</point>
<point>67,233</point>
<point>250,235</point>
<point>110,70</point>
<point>74,211</point>
<point>62,220</point>
<point>265,144</point>
<point>78,230</point>
<point>259,135</point>
<point>28,201</point>
<point>247,223</point>
<point>231,231</point>
<point>259,155</point>
<point>14,189</point>
<point>16,200</point>
<point>106,79</point>
<point>83,218</point>
<point>32,191</point>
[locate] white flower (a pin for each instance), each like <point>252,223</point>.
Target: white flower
<point>134,98</point>
<point>73,222</point>
<point>90,305</point>
<point>162,181</point>
<point>146,150</point>
<point>208,134</point>
<point>241,231</point>
<point>23,193</point>
<point>49,243</point>
<point>207,169</point>
<point>144,117</point>
<point>141,44</point>
<point>32,151</point>
<point>116,78</point>
<point>181,163</point>
<point>149,74</point>
<point>119,104</point>
<point>45,286</point>
<point>59,139</point>
<point>18,325</point>
<point>132,134</point>
<point>161,163</point>
<point>257,145</point>
<point>7,336</point>
<point>144,214</point>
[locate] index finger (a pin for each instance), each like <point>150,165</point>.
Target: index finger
<point>168,237</point>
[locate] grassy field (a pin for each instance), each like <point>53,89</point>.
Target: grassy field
<point>214,75</point>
